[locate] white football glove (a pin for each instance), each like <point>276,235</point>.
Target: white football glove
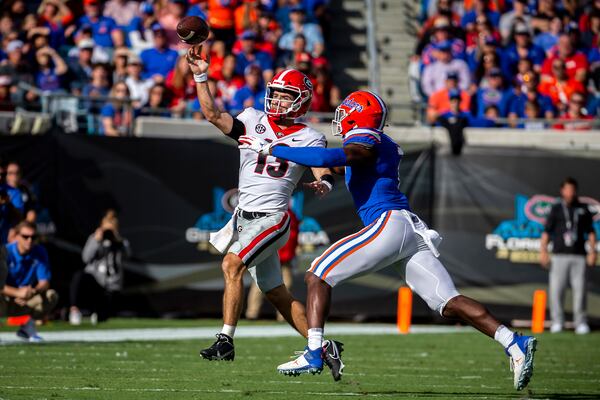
<point>255,144</point>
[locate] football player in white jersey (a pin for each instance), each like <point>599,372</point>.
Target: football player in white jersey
<point>260,225</point>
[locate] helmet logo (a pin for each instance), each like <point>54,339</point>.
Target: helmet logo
<point>260,128</point>
<point>350,103</point>
<point>308,83</point>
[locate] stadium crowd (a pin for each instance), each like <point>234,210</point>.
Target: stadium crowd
<point>525,60</point>
<point>124,58</point>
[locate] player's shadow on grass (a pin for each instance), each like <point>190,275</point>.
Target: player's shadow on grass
<point>515,395</point>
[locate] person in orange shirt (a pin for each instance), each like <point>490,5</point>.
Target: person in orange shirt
<point>221,20</point>
<point>246,16</point>
<point>439,102</point>
<point>558,86</point>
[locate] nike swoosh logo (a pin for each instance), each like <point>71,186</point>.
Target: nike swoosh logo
<point>296,140</point>
<point>189,36</point>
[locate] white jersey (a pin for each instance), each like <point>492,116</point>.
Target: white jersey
<point>266,183</point>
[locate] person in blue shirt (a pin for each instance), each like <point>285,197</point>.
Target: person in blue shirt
<point>480,7</point>
<point>101,26</point>
<point>249,55</point>
<point>252,94</point>
<point>529,93</point>
<point>522,48</point>
<point>27,288</point>
<point>160,59</point>
<point>392,235</point>
<point>493,94</point>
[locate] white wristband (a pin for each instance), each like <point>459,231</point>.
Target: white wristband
<point>329,185</point>
<point>200,78</point>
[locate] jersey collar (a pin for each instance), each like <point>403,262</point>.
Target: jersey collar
<point>286,130</point>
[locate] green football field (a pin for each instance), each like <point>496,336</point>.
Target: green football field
<point>436,366</point>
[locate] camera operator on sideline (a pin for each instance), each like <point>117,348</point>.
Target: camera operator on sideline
<point>93,288</point>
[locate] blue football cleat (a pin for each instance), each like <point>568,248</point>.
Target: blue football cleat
<point>309,361</point>
<point>521,351</point>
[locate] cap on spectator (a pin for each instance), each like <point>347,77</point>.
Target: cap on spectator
<point>122,52</point>
<point>303,58</point>
<point>248,35</point>
<point>441,23</point>
<point>454,94</point>
<point>156,27</point>
<point>91,2</point>
<point>86,44</point>
<point>495,72</point>
<point>320,62</point>
<point>146,8</point>
<point>445,45</point>
<point>5,80</point>
<point>452,75</point>
<point>521,29</point>
<point>14,45</point>
<point>134,59</point>
<point>297,8</point>
<point>252,68</point>
<point>572,27</point>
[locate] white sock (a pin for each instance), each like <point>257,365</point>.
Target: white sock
<point>229,330</point>
<point>504,336</point>
<point>315,338</point>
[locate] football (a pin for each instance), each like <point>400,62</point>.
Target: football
<point>192,30</point>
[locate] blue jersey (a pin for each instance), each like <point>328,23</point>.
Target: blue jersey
<point>28,269</point>
<point>374,189</point>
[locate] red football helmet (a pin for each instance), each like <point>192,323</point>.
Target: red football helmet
<point>361,109</point>
<point>295,83</point>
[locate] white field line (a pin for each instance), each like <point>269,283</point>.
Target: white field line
<point>151,334</point>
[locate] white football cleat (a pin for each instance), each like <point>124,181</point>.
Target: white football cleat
<point>309,361</point>
<point>521,351</point>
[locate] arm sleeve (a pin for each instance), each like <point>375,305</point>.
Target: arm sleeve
<point>90,249</point>
<point>238,129</point>
<point>43,266</point>
<point>311,156</point>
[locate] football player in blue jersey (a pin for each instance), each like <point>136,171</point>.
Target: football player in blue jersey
<point>392,235</point>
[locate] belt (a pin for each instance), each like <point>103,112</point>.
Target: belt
<point>251,214</point>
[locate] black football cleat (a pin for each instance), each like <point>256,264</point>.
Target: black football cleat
<point>332,355</point>
<point>221,349</point>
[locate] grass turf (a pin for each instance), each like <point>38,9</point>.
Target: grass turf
<point>436,366</point>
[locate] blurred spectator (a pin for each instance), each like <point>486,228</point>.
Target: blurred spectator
<point>303,63</point>
<point>100,25</point>
<point>221,20</point>
<point>590,27</point>
<point>439,102</point>
<point>14,181</point>
<point>138,87</point>
<point>160,59</point>
<point>94,288</point>
<point>558,87</point>
<point>575,62</point>
<point>326,96</point>
<point>312,33</point>
<point>549,38</point>
<point>117,114</point>
<point>17,10</point>
<point>6,103</point>
<point>486,45</point>
<point>488,62</point>
<point>249,55</point>
<point>80,69</point>
<point>55,15</point>
<point>544,13</point>
<point>169,17</point>
<point>532,112</point>
<point>119,38</point>
<point>50,69</point>
<point>27,289</point>
<point>442,8</point>
<point>217,56</point>
<point>9,217</point>
<point>229,83</point>
<point>158,102</point>
<point>522,48</point>
<point>246,16</point>
<point>252,94</point>
<point>119,70</point>
<point>121,11</point>
<point>455,121</point>
<point>287,58</point>
<point>529,93</point>
<point>434,75</point>
<point>195,105</point>
<point>518,15</point>
<point>98,86</point>
<point>493,94</point>
<point>270,32</point>
<point>14,194</point>
<point>198,8</point>
<point>139,29</point>
<point>180,83</point>
<point>441,33</point>
<point>480,9</point>
<point>17,69</point>
<point>575,111</point>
